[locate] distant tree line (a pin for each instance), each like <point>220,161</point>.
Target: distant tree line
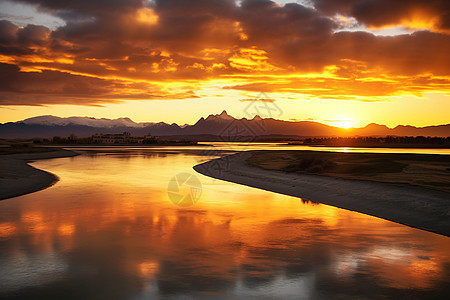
<point>73,139</point>
<point>388,140</point>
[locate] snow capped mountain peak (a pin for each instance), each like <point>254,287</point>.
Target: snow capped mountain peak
<point>48,126</point>
<point>43,120</point>
<point>82,121</point>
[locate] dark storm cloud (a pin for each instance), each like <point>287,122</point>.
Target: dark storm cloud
<point>420,52</point>
<point>97,7</point>
<point>379,13</point>
<point>191,25</point>
<point>11,34</point>
<point>8,32</point>
<point>267,21</point>
<point>23,41</point>
<point>302,37</point>
<point>176,40</point>
<point>33,34</point>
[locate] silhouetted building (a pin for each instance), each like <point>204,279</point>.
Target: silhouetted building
<point>121,138</point>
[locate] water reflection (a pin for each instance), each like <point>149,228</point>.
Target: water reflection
<point>109,230</point>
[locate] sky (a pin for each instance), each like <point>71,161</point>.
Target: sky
<point>343,63</point>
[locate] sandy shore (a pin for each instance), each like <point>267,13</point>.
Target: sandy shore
<point>409,205</point>
<point>18,178</point>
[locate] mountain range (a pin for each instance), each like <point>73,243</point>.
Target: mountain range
<point>218,125</point>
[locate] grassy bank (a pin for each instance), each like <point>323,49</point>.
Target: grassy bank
<point>429,171</point>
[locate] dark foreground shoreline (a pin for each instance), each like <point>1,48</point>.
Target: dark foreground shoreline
<point>402,203</point>
<point>18,178</point>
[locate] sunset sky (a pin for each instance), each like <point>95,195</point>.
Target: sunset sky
<point>343,63</point>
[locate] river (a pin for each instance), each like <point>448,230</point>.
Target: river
<point>109,229</point>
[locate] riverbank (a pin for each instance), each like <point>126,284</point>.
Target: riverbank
<point>430,171</point>
<point>18,178</point>
<point>414,206</point>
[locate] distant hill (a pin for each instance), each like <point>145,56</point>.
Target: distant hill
<point>83,121</point>
<point>222,125</point>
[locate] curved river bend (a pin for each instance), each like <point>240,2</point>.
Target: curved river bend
<point>108,230</point>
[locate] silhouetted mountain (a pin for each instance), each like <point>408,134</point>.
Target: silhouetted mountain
<point>401,130</point>
<point>220,125</point>
<point>83,121</point>
<point>373,129</point>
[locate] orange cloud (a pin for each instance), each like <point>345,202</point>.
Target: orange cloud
<point>430,15</point>
<point>108,52</point>
<point>260,100</point>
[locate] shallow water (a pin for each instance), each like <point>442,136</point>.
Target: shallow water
<point>206,148</point>
<point>108,230</point>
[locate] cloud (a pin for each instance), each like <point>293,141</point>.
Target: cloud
<point>257,100</point>
<point>54,87</point>
<point>348,80</point>
<point>8,32</point>
<point>168,45</point>
<point>432,14</point>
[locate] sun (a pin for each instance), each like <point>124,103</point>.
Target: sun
<point>344,124</point>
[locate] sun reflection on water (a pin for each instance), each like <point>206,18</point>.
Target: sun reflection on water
<point>119,229</point>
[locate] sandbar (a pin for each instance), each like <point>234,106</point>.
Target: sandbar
<point>403,203</point>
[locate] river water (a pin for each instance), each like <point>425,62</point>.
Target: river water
<point>109,230</point>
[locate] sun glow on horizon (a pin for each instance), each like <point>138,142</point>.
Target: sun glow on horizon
<point>344,124</point>
<point>160,61</point>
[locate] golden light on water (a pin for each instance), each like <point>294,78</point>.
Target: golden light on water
<point>122,222</point>
<point>7,229</point>
<point>110,228</point>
